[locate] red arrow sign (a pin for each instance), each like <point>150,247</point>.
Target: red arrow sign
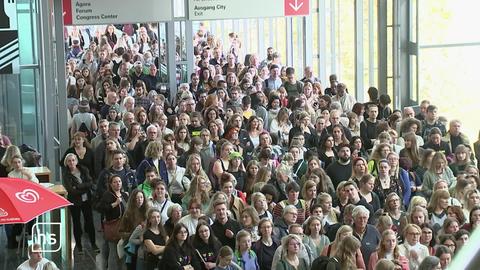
<point>297,7</point>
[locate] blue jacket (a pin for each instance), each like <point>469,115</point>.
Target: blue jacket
<point>147,163</point>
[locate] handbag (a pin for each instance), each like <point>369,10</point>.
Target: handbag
<point>121,248</point>
<point>110,230</point>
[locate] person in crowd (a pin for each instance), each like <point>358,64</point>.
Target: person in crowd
<point>402,177</point>
<point>293,190</point>
<point>445,255</point>
<point>224,227</point>
<point>428,238</point>
<point>154,239</point>
<point>206,245</point>
<point>290,250</point>
<point>244,256</point>
<point>191,219</point>
<point>412,249</point>
<point>393,207</point>
<point>368,128</point>
<point>225,259</point>
<point>153,158</point>
<point>435,142</point>
<point>160,199</point>
<point>266,246</point>
<point>462,237</point>
<point>386,184</point>
<point>119,168</point>
<point>388,249</point>
<point>438,170</point>
<point>81,148</point>
<point>19,171</point>
<point>359,169</point>
<point>353,195</point>
<point>341,169</point>
<point>343,232</point>
<point>462,156</point>
<point>249,220</point>
<point>314,235</point>
<point>430,262</point>
<point>366,233</point>
<point>330,214</point>
<point>198,190</point>
<point>289,217</point>
<point>135,215</point>
<point>366,186</point>
<point>78,183</point>
<point>36,259</point>
<point>346,100</point>
<point>431,121</point>
<point>380,152</point>
<point>113,206</point>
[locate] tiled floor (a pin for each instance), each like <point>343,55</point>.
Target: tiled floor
<point>9,259</point>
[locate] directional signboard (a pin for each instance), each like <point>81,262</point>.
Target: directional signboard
<point>236,9</point>
<point>89,12</point>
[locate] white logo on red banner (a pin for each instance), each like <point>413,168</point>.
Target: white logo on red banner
<point>3,213</point>
<point>28,196</point>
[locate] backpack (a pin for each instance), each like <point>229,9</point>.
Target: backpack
<point>325,262</point>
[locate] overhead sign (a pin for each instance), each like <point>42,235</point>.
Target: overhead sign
<point>9,47</point>
<point>90,12</point>
<point>199,10</point>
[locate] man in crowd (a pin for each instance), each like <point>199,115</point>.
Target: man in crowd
<point>341,169</point>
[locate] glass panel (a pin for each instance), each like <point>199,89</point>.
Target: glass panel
<point>345,37</point>
<point>435,77</point>
<point>178,8</point>
<point>328,42</point>
<point>315,45</point>
<point>449,21</point>
<point>27,50</point>
<point>162,41</point>
<point>28,79</point>
<point>180,41</point>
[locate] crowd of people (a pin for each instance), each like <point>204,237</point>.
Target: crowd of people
<point>247,166</point>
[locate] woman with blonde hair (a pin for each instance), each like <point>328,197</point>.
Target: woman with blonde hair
<point>10,152</point>
<point>472,199</point>
<point>330,214</point>
<point>402,177</point>
<point>198,190</point>
<point>412,249</point>
<point>388,249</point>
<point>259,202</point>
<point>346,251</point>
<point>345,231</point>
<point>309,193</point>
<point>291,248</point>
<point>438,170</point>
<point>417,201</point>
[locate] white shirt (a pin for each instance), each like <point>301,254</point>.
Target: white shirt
<point>26,266</point>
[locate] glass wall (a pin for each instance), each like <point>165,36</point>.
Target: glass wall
<point>449,57</point>
<point>19,112</point>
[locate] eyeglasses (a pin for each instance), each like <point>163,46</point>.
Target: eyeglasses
<point>414,233</point>
<point>182,232</point>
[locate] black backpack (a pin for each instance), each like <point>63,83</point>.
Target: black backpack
<point>325,262</point>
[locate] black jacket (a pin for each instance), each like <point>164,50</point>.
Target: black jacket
<point>75,188</point>
<point>110,212</point>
